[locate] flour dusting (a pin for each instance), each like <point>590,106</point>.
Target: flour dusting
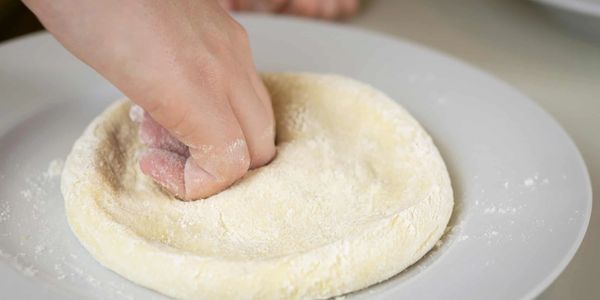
<point>54,169</point>
<point>43,241</point>
<point>4,211</point>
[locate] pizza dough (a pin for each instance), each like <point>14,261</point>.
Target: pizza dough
<point>357,193</point>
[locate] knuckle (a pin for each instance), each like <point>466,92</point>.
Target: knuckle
<point>226,163</point>
<point>238,157</point>
<point>239,33</point>
<point>242,161</point>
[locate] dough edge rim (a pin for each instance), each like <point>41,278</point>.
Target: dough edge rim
<point>320,272</point>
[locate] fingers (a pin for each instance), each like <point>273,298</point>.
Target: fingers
<point>306,8</point>
<point>243,5</point>
<point>206,124</point>
<point>200,184</point>
<point>325,9</point>
<point>212,162</point>
<point>277,5</point>
<point>179,175</point>
<point>258,5</point>
<point>336,9</point>
<point>220,110</point>
<point>348,7</point>
<point>220,140</point>
<point>177,60</point>
<point>166,168</point>
<point>256,120</point>
<point>170,163</point>
<point>155,136</point>
<point>329,9</point>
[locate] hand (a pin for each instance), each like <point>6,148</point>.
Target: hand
<point>188,64</point>
<point>325,9</point>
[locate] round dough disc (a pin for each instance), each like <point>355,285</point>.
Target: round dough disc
<point>357,193</point>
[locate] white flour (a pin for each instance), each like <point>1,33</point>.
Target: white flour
<point>44,236</point>
<point>4,211</point>
<point>54,169</point>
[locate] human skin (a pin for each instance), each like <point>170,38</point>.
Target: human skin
<point>207,116</point>
<point>325,9</point>
<point>188,64</point>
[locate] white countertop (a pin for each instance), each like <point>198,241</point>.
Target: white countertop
<point>520,43</point>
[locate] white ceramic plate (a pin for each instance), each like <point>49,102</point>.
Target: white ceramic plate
<point>522,191</point>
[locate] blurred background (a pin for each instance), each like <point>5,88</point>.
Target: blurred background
<point>16,20</point>
<point>548,49</point>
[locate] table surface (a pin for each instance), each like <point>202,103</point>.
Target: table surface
<point>522,44</point>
